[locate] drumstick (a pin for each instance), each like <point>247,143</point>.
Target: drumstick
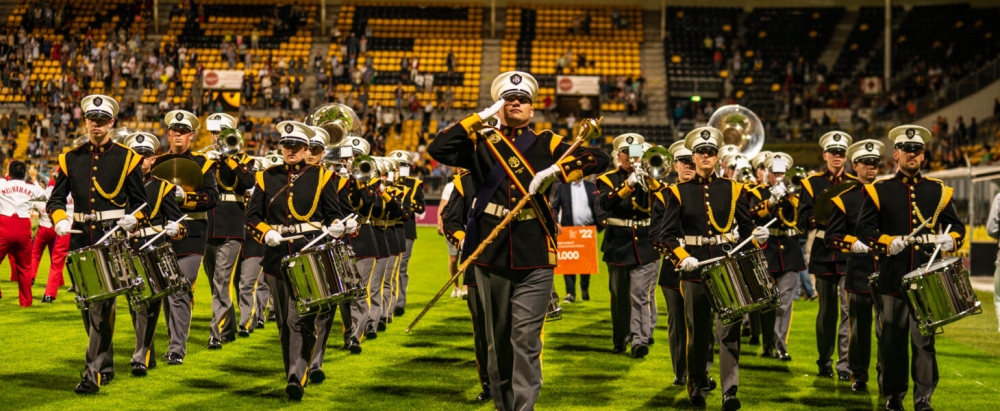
<point>936,250</point>
<point>916,230</point>
<point>116,227</point>
<point>161,233</point>
<point>292,238</point>
<point>320,237</point>
<point>75,231</point>
<point>733,251</point>
<point>710,261</point>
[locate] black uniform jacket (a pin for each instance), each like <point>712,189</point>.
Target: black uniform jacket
<point>894,207</point>
<point>251,247</point>
<point>701,207</point>
<point>526,243</point>
<point>842,232</point>
<point>100,178</point>
<point>625,245</point>
<point>287,195</point>
<point>413,204</point>
<point>819,254</point>
<point>453,216</point>
<point>782,251</point>
<point>357,198</point>
<point>384,210</point>
<point>202,200</point>
<point>162,208</point>
<point>234,176</point>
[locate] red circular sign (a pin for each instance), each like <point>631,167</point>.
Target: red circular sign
<point>565,84</point>
<point>211,78</point>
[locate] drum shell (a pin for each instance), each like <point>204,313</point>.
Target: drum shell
<point>940,295</point>
<point>322,278</point>
<point>159,275</point>
<point>100,272</point>
<point>740,284</point>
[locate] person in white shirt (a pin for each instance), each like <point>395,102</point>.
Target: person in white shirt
<point>15,224</point>
<point>58,245</point>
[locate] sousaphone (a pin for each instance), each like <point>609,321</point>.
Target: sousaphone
<point>739,127</point>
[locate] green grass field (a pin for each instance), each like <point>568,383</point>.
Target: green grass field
<point>432,368</point>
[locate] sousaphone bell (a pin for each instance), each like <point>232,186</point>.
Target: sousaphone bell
<point>338,120</point>
<point>740,127</point>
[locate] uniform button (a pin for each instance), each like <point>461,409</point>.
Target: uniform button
<point>706,195</point>
<point>97,157</point>
<point>291,194</point>
<point>914,221</point>
<point>916,247</point>
<point>95,168</point>
<point>93,227</point>
<point>707,203</point>
<point>876,258</point>
<point>781,247</point>
<point>912,188</point>
<point>92,200</point>
<point>706,187</point>
<point>636,238</point>
<point>579,163</point>
<point>93,188</point>
<point>513,187</point>
<point>913,195</point>
<point>291,184</point>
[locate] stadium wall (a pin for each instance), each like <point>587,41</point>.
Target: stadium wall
<point>978,105</point>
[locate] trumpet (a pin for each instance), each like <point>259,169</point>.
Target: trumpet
<point>364,168</point>
<point>229,142</point>
<point>793,179</point>
<point>654,163</point>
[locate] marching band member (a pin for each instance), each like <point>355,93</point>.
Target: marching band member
<point>295,198</point>
<point>624,204</point>
<point>413,204</point>
<point>368,247</point>
<point>690,209</point>
<point>254,297</point>
<point>106,179</point>
<point>842,233</point>
<point>385,213</point>
<point>58,245</point>
<point>164,214</point>
<point>226,232</point>
<point>891,210</point>
<point>781,251</point>
<point>396,237</point>
<point>507,164</point>
<point>825,263</point>
<point>15,223</point>
<point>454,216</point>
<point>181,129</point>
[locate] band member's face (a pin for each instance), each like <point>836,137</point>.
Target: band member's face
<point>294,153</point>
<point>316,155</point>
<point>761,172</point>
<point>517,111</point>
<point>147,164</point>
<point>730,172</point>
<point>685,170</point>
<point>625,161</point>
<point>866,172</point>
<point>98,128</point>
<point>179,139</point>
<point>834,159</point>
<point>774,178</point>
<point>705,159</point>
<point>909,161</point>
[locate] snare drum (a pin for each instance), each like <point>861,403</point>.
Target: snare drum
<point>159,276</point>
<point>940,295</point>
<point>101,272</point>
<point>347,267</point>
<point>317,280</point>
<point>740,284</point>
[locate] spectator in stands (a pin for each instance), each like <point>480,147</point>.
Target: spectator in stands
<point>428,112</point>
<point>255,38</point>
<point>363,46</point>
<point>357,79</point>
<point>586,107</point>
<point>717,59</point>
<point>560,64</point>
<point>450,63</point>
<point>414,67</point>
<point>352,45</point>
<point>973,131</point>
<point>570,122</point>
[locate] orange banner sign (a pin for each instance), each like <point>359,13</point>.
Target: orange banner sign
<point>577,250</point>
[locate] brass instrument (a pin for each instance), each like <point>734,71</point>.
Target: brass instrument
<point>338,120</point>
<point>364,168</point>
<point>656,162</point>
<point>119,133</point>
<point>740,127</point>
<point>229,142</point>
<point>793,179</point>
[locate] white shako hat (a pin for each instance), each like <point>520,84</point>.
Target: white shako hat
<point>703,136</point>
<point>99,106</point>
<point>910,136</point>
<point>295,131</point>
<point>142,142</point>
<point>623,141</point>
<point>514,83</point>
<point>865,149</point>
<point>182,119</point>
<point>835,140</point>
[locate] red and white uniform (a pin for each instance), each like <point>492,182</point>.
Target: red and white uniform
<point>15,224</point>
<point>46,237</point>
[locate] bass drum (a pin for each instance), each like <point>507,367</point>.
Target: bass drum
<point>740,284</point>
<point>101,272</point>
<point>940,294</point>
<point>159,276</point>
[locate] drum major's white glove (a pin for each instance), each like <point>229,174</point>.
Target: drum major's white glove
<point>351,226</point>
<point>128,222</point>
<point>896,246</point>
<point>63,227</point>
<point>859,247</point>
<point>543,179</point>
<point>273,238</point>
<point>946,242</point>
<point>632,179</point>
<point>336,229</point>
<point>492,110</point>
<point>779,191</point>
<point>760,234</point>
<point>688,264</point>
<point>172,229</point>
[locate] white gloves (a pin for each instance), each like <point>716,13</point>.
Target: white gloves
<point>779,191</point>
<point>492,110</point>
<point>128,222</point>
<point>859,247</point>
<point>543,179</point>
<point>63,227</point>
<point>172,229</point>
<point>945,241</point>
<point>760,234</point>
<point>688,264</point>
<point>272,238</point>
<point>461,245</point>
<point>179,192</point>
<point>212,155</point>
<point>336,229</point>
<point>896,246</point>
<point>351,226</point>
<point>632,179</point>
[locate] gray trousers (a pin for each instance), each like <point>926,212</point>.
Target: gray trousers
<point>251,278</point>
<point>297,333</point>
<point>375,298</point>
<point>698,310</point>
<point>480,345</point>
<point>832,302</point>
<point>898,328</point>
<point>631,289</point>
<point>404,276</point>
<point>324,322</point>
<point>220,265</point>
<point>389,286</point>
<point>177,310</point>
<point>677,333</point>
<point>145,329</point>
<point>515,304</point>
<point>860,353</point>
<point>654,314</point>
<point>774,323</point>
<point>99,320</point>
<point>361,309</point>
<point>263,299</point>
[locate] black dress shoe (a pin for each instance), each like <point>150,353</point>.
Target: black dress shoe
<point>711,384</point>
<point>317,376</point>
<point>680,380</point>
<point>106,378</point>
<point>782,355</point>
<point>371,334</point>
<point>639,351</point>
<point>768,352</point>
<point>730,402</point>
<point>353,346</point>
<point>48,299</point>
<point>894,405</point>
<point>271,318</point>
<point>86,387</point>
<point>484,395</point>
<point>922,406</point>
<point>294,391</point>
<point>260,324</point>
<point>844,376</point>
<point>381,325</point>
<point>754,340</point>
<point>399,311</point>
<point>174,359</point>
<point>698,401</point>
<point>859,386</point>
<point>825,371</point>
<point>139,370</point>
<point>243,332</point>
<point>619,349</point>
<point>214,344</point>
<point>585,295</point>
<point>651,341</point>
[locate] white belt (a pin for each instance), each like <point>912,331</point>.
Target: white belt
<point>777,232</point>
<point>713,240</point>
<point>922,239</point>
<point>148,231</point>
<point>233,198</point>
<point>617,222</point>
<point>501,212</point>
<point>820,233</point>
<point>201,215</point>
<point>98,216</point>
<point>295,229</point>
